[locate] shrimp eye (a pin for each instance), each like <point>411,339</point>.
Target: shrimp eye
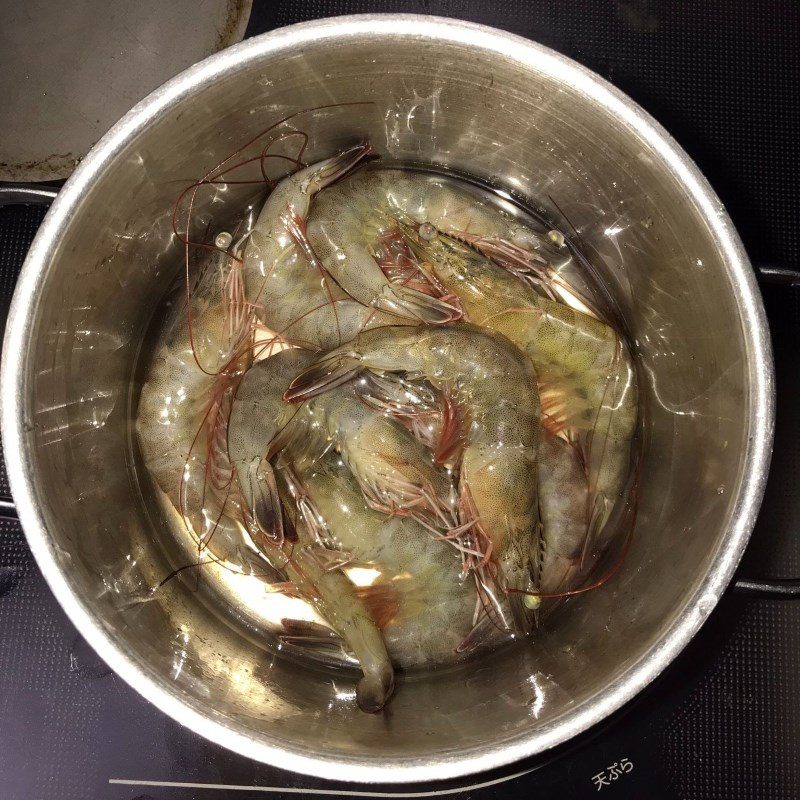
<point>223,240</point>
<point>427,232</point>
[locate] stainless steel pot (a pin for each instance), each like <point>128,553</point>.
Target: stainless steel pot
<point>500,108</point>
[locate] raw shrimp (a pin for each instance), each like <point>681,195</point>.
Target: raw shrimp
<point>345,229</point>
<point>286,210</point>
<point>557,555</point>
<point>283,280</point>
<point>185,401</point>
<point>495,386</point>
<point>258,416</point>
<point>415,585</point>
<point>586,377</point>
<point>348,221</point>
<point>286,283</point>
<point>394,471</point>
<point>259,424</point>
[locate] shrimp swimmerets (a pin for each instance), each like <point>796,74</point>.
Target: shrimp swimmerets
<point>586,377</point>
<point>495,387</point>
<point>350,219</point>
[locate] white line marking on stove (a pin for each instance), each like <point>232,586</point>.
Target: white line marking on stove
<point>233,787</point>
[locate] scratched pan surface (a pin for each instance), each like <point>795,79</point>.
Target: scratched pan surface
<point>719,723</point>
<point>69,70</point>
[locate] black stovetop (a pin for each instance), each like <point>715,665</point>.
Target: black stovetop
<point>722,721</point>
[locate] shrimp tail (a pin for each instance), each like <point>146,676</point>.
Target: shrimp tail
<point>482,632</point>
<point>362,633</point>
<point>405,301</point>
<point>261,496</point>
<point>377,685</point>
<point>338,601</point>
<point>340,165</point>
<point>383,601</point>
<point>332,370</point>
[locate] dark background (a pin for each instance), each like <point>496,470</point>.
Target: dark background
<point>722,722</point>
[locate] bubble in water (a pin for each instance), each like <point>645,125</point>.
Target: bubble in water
<point>720,490</point>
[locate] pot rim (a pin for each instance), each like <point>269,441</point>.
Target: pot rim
<point>529,55</point>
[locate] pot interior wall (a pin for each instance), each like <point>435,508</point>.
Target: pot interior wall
<point>471,110</point>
